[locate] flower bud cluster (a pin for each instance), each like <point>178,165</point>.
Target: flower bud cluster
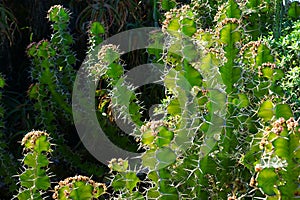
<point>153,126</point>
<point>68,184</point>
<point>175,13</point>
<point>32,137</point>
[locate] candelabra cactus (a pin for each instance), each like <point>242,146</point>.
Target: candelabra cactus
<point>246,67</point>
<point>226,128</point>
<point>53,72</point>
<point>35,179</point>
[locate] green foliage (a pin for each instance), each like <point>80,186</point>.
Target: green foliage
<point>6,158</point>
<point>35,179</point>
<point>114,15</point>
<point>287,48</point>
<point>168,4</point>
<point>8,24</point>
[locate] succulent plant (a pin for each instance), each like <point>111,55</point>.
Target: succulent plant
<point>35,178</point>
<point>227,132</point>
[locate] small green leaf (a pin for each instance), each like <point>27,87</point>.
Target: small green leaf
<point>111,56</point>
<point>131,180</point>
<point>27,178</point>
<point>267,72</point>
<point>188,27</point>
<point>165,156</point>
<point>115,71</point>
<point>173,26</point>
<point>266,180</point>
<point>97,28</point>
<point>279,74</point>
<point>42,182</point>
<point>82,191</point>
<point>168,4</point>
<point>174,107</point>
<point>147,137</point>
<point>149,159</point>
<point>243,101</point>
<point>120,168</point>
<point>281,149</point>
<point>118,182</point>
<point>167,192</point>
<point>2,82</point>
<point>192,75</point>
<point>294,10</point>
<point>229,34</point>
<point>233,10</point>
<point>61,193</point>
<point>153,193</point>
<point>263,55</point>
<point>24,195</point>
<point>283,110</point>
<point>34,160</point>
<point>164,137</point>
<point>266,110</point>
<point>42,144</point>
<point>33,91</point>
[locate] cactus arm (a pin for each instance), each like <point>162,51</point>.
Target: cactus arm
<point>35,180</point>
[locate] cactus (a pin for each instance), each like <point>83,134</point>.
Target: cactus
<point>227,132</point>
<point>274,157</point>
<point>53,74</point>
<point>35,178</point>
<point>78,188</point>
<point>251,82</point>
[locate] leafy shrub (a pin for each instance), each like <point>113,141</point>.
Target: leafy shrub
<point>288,55</point>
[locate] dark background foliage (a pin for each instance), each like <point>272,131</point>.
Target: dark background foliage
<point>23,22</point>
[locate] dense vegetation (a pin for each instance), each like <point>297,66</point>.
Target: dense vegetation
<point>229,107</point>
